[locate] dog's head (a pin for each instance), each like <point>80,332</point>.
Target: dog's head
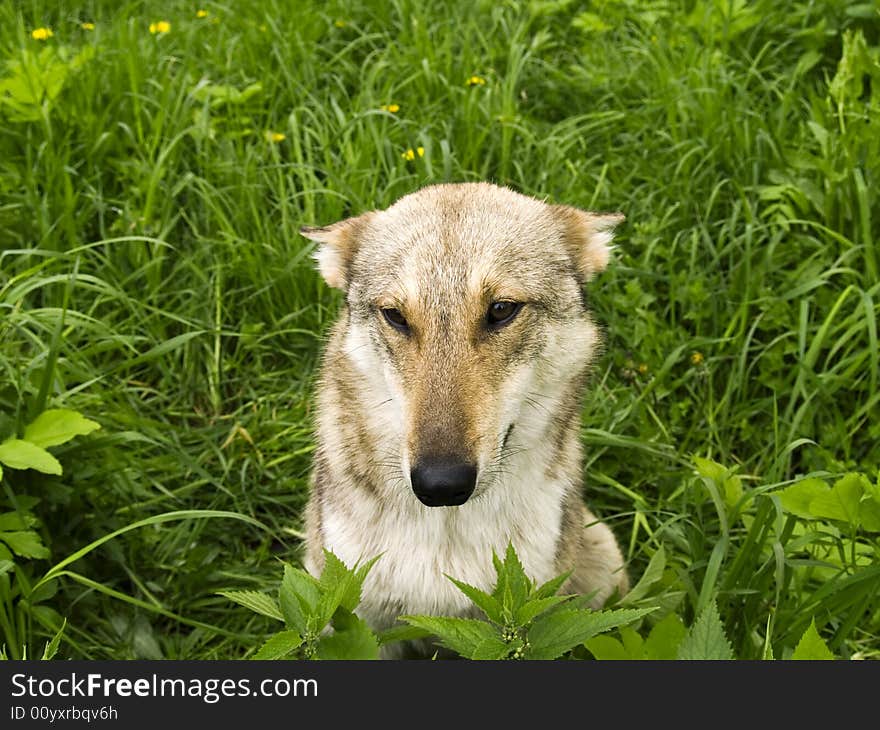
<point>466,311</point>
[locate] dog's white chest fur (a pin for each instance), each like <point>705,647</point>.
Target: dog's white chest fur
<point>418,545</point>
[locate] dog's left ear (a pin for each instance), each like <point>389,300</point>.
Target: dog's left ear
<point>339,243</point>
<point>588,237</point>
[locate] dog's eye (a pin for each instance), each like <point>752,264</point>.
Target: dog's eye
<point>500,313</point>
<point>395,319</point>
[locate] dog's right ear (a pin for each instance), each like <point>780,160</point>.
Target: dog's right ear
<point>338,245</point>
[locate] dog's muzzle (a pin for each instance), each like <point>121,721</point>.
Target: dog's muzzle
<point>443,482</point>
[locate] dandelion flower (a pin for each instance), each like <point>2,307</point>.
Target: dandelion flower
<point>201,13</point>
<point>87,26</point>
<point>275,136</point>
<point>697,358</point>
<point>476,81</point>
<point>643,368</point>
<point>392,108</point>
<point>411,153</point>
<point>161,26</point>
<point>41,34</point>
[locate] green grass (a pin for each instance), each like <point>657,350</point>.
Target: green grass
<point>152,278</point>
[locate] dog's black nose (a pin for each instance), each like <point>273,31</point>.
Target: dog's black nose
<point>443,482</point>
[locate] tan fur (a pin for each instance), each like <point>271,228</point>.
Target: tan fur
<point>506,400</point>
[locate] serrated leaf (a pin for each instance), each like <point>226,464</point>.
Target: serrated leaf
<point>665,638</point>
<point>298,599</point>
<point>553,635</point>
<point>552,586</point>
<point>462,635</point>
<point>279,645</point>
<point>491,649</point>
<point>27,544</point>
<point>486,603</point>
<point>706,638</point>
<point>531,609</point>
<point>351,639</point>
<point>513,586</point>
<point>652,574</point>
<point>20,454</point>
<point>339,586</point>
<point>403,633</point>
<point>255,601</point>
<point>811,646</point>
<point>797,497</point>
<point>58,426</point>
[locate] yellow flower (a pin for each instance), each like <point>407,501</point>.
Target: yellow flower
<point>411,153</point>
<point>162,26</point>
<point>87,26</point>
<point>275,136</point>
<point>643,368</point>
<point>697,358</point>
<point>41,34</point>
<point>476,81</point>
<point>201,13</point>
<point>339,23</point>
<point>393,108</point>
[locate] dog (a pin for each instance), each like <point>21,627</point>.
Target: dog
<point>449,398</point>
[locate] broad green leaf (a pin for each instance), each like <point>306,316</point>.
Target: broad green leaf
<point>706,638</point>
<point>841,502</point>
<point>811,645</point>
<point>26,543</point>
<point>652,574</point>
<point>351,639</point>
<point>16,521</point>
<point>607,648</point>
<point>298,598</point>
<point>279,645</point>
<point>491,649</point>
<point>553,635</point>
<point>462,635</point>
<point>58,426</point>
<point>255,601</point>
<point>797,497</point>
<point>488,604</point>
<point>340,586</point>
<point>869,509</point>
<point>665,638</point>
<point>20,454</point>
<point>632,642</point>
<point>869,515</point>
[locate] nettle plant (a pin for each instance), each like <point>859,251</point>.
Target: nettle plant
<point>521,620</point>
<point>20,542</point>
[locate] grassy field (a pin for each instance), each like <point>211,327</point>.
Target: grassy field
<point>156,163</point>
